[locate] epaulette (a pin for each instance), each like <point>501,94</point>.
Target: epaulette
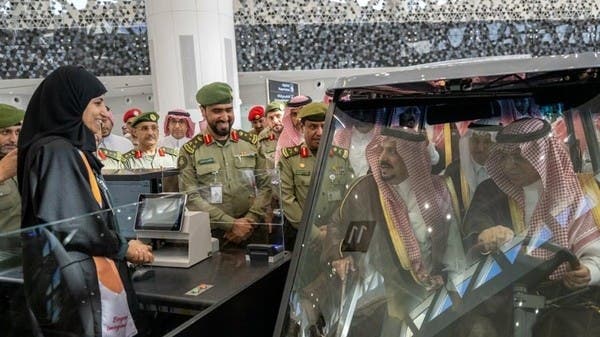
<point>268,136</point>
<point>288,152</point>
<point>193,143</point>
<point>249,137</point>
<point>116,155</point>
<point>340,152</point>
<point>171,151</point>
<point>130,154</point>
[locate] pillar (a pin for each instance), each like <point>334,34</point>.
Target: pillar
<point>191,43</point>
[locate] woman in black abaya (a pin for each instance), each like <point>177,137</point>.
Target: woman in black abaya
<point>76,279</point>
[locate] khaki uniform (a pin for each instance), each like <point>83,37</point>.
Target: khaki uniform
<point>296,167</point>
<point>112,160</point>
<point>267,141</point>
<point>163,157</point>
<point>221,179</point>
<point>10,206</point>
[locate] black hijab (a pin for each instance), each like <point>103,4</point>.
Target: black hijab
<point>56,109</point>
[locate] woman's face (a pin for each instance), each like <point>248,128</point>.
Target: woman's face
<point>94,113</point>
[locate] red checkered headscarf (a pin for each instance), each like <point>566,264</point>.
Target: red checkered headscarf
<point>290,136</point>
<point>431,194</point>
<point>562,211</point>
<point>180,114</point>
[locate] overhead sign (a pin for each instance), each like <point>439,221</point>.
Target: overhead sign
<point>281,91</point>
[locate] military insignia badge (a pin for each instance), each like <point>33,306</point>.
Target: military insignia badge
<point>182,162</point>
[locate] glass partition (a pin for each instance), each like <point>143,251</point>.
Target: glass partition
<point>255,195</point>
<point>474,212</point>
<point>47,272</point>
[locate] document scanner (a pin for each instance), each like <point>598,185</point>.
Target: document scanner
<point>179,238</point>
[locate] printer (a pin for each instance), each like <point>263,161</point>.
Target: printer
<point>179,238</point>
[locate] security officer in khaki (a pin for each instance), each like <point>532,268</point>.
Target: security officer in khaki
<point>10,199</point>
<point>268,137</point>
<point>218,170</point>
<point>296,167</point>
<point>148,154</point>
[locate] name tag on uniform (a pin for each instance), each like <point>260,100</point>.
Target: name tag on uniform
<point>216,193</point>
<point>206,161</point>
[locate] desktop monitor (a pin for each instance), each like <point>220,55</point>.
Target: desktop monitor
<point>125,187</point>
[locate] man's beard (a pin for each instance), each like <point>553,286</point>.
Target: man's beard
<point>220,132</point>
<point>277,128</point>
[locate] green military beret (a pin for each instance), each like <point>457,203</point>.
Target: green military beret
<point>313,112</point>
<point>146,117</point>
<point>214,93</point>
<point>10,116</point>
<point>275,105</point>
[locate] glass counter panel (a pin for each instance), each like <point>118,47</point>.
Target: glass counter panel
<point>457,206</point>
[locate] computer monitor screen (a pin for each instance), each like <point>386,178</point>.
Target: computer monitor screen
<point>161,211</point>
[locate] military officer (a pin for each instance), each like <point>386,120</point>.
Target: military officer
<point>217,169</point>
<point>268,137</point>
<point>10,199</point>
<point>128,118</point>
<point>147,154</point>
<point>256,116</point>
<point>296,168</point>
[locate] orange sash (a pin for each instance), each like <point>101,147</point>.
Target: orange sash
<point>105,267</point>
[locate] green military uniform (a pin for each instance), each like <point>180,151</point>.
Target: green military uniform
<point>296,170</point>
<point>296,167</point>
<point>10,199</point>
<point>112,160</point>
<point>163,157</point>
<point>220,177</point>
<point>267,141</point>
<point>10,205</point>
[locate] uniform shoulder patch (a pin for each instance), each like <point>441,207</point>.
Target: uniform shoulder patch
<point>171,151</point>
<point>247,136</point>
<point>193,143</point>
<point>269,137</point>
<point>116,155</point>
<point>182,162</point>
<point>289,152</point>
<point>340,152</point>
